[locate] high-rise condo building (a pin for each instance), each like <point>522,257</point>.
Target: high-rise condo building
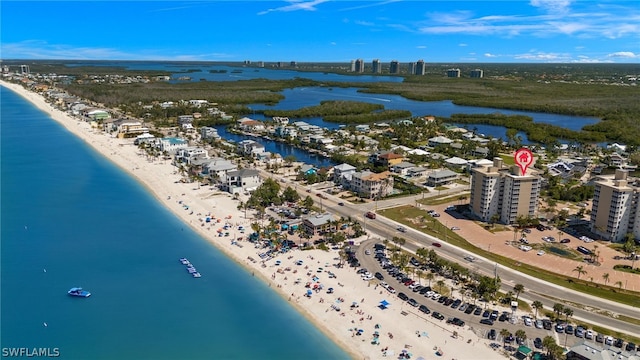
<point>615,207</point>
<point>376,66</point>
<point>394,67</point>
<point>353,66</point>
<point>453,73</point>
<point>502,194</point>
<point>420,68</point>
<point>359,66</point>
<point>476,73</point>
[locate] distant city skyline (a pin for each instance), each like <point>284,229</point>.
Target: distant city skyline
<point>535,31</point>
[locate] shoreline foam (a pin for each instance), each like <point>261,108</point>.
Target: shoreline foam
<point>408,330</point>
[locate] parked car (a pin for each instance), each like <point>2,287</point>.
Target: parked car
<point>494,315</point>
<point>436,244</point>
<point>528,321</point>
<point>492,334</point>
<point>569,330</point>
<point>579,332</point>
<point>486,321</point>
<point>463,307</point>
<point>413,303</point>
<point>340,204</point>
<point>565,241</point>
<point>537,343</point>
<point>455,321</point>
<point>477,311</point>
<point>618,343</point>
<point>588,334</point>
<point>560,328</point>
<point>546,324</point>
<point>539,324</point>
<point>486,314</point>
<point>391,290</point>
<point>424,309</point>
<point>379,276</point>
<point>437,315</point>
<point>608,340</point>
<point>403,296</point>
<point>600,338</point>
<point>630,347</point>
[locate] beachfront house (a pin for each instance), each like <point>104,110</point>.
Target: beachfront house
<point>402,168</point>
<point>385,158</point>
<point>243,180</point>
<point>189,154</point>
<point>217,168</point>
<point>170,144</point>
<point>129,128</point>
<point>442,177</point>
<point>371,185</point>
<point>319,224</point>
<point>456,163</point>
<point>185,119</point>
<point>417,172</point>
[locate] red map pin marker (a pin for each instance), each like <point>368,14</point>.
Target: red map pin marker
<point>524,159</point>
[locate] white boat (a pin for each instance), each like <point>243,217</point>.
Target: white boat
<point>196,275</point>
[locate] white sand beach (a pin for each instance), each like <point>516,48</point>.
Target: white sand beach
<point>401,328</point>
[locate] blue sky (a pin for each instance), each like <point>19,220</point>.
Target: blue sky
<point>533,31</point>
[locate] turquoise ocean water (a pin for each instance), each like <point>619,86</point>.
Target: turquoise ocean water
<point>69,217</point>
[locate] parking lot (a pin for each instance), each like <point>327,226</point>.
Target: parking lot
<point>422,299</point>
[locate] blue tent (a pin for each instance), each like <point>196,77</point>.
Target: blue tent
<point>383,304</point>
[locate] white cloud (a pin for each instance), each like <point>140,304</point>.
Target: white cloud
<point>552,6</point>
<point>333,43</point>
<point>489,55</point>
<point>369,4</point>
<point>363,23</point>
<point>462,44</point>
<point>421,47</point>
<point>624,54</point>
<point>295,5</point>
<point>38,49</point>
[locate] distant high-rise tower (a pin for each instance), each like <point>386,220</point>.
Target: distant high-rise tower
<point>453,73</point>
<point>247,62</point>
<point>394,67</point>
<point>477,73</point>
<point>412,68</point>
<point>261,64</point>
<point>376,66</point>
<point>5,68</point>
<point>420,68</point>
<point>24,69</point>
<point>359,66</point>
<point>294,64</point>
<point>353,66</point>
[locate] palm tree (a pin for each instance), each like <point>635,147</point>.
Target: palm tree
<point>557,309</point>
<point>567,313</point>
<point>419,273</point>
<point>619,284</point>
<point>440,284</point>
<point>517,289</point>
<point>537,305</point>
<point>522,335</point>
<point>429,276</point>
<point>549,343</point>
<point>504,333</point>
<point>580,270</point>
<point>605,277</point>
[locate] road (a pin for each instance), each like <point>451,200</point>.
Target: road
<point>535,289</point>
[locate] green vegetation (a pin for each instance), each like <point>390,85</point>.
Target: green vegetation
<point>348,112</point>
<point>627,268</point>
<point>537,132</point>
<point>419,219</point>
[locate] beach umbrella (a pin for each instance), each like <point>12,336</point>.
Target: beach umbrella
<point>384,303</point>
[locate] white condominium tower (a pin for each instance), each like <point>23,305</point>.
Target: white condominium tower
<point>503,194</point>
<point>615,207</point>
